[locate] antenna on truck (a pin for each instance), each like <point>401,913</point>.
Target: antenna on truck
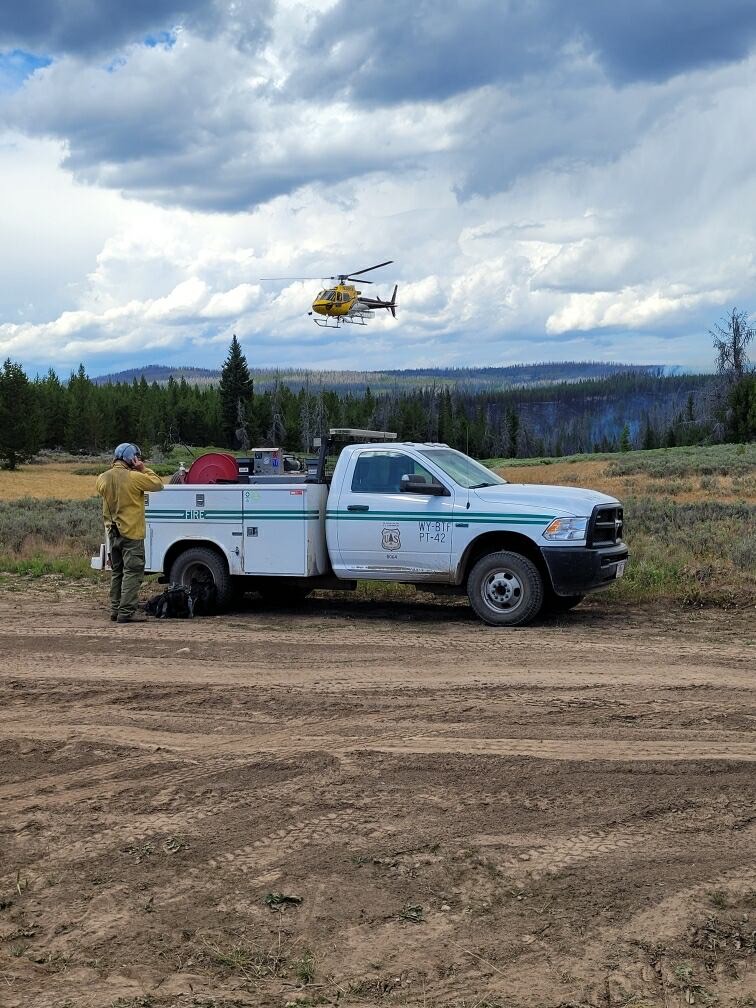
<point>316,470</point>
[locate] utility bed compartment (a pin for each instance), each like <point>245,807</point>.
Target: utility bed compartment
<point>275,528</point>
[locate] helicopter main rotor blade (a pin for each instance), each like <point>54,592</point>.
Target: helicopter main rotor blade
<point>260,279</point>
<point>369,269</point>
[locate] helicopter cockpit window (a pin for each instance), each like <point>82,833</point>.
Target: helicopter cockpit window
<point>343,297</point>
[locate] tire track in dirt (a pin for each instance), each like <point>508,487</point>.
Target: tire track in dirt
<point>185,819</point>
<point>261,857</point>
<point>327,638</point>
<point>451,748</point>
<point>90,777</point>
<point>382,673</point>
<point>286,743</point>
<point>654,838</point>
<point>265,856</point>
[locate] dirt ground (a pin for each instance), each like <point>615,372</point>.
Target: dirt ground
<point>387,806</point>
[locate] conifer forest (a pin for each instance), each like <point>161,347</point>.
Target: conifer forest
<point>615,408</point>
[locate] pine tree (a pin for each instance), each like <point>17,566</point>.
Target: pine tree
<point>624,441</point>
<point>20,422</point>
<point>690,409</point>
<point>51,396</point>
<point>513,429</point>
<point>82,421</point>
<point>368,405</point>
<point>742,412</point>
<point>236,392</point>
<point>649,438</point>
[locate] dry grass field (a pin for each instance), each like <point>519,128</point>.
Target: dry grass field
<point>723,473</point>
<point>598,475</point>
<point>55,480</point>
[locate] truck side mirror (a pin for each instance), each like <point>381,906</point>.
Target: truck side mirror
<point>418,484</point>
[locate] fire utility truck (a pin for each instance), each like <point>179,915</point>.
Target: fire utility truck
<point>422,514</point>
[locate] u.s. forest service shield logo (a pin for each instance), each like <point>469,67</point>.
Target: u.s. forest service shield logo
<point>391,539</point>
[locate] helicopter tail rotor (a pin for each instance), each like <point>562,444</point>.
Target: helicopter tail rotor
<point>392,303</point>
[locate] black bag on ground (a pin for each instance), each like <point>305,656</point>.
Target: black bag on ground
<point>178,602</point>
<point>174,603</point>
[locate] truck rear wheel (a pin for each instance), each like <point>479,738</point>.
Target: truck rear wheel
<point>505,589</point>
<point>206,566</point>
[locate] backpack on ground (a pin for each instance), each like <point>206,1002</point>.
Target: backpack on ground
<point>178,602</point>
<point>174,603</point>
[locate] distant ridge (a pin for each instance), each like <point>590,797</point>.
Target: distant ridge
<point>159,373</point>
<point>356,382</point>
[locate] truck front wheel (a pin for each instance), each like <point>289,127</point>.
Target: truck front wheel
<point>206,566</point>
<point>505,589</point>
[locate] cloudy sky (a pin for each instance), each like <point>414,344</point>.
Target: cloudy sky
<point>555,179</point>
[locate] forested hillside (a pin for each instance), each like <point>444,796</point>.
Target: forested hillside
<point>489,412</point>
<point>356,382</point>
<point>627,409</point>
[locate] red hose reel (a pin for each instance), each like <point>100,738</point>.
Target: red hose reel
<point>214,467</point>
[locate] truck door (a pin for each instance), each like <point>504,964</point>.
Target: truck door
<point>386,534</point>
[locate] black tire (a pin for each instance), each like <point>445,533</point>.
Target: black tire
<point>505,589</point>
<point>561,603</point>
<point>206,565</point>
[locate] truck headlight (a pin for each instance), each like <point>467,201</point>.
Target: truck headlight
<point>562,529</point>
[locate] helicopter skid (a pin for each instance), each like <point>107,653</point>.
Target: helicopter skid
<point>335,322</point>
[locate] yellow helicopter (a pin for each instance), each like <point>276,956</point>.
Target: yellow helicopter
<point>344,303</point>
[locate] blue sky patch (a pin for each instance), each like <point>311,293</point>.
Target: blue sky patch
<point>16,65</point>
<point>167,39</point>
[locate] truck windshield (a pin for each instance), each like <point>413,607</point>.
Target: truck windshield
<point>462,469</point>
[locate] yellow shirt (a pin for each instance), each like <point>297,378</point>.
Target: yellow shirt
<point>122,491</point>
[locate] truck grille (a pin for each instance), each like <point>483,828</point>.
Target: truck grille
<point>606,525</point>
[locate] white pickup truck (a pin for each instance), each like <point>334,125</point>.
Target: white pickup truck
<point>422,514</point>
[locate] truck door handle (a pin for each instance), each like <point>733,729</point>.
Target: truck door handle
<point>358,507</point>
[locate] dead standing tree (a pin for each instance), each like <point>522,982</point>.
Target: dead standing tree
<point>241,435</point>
<point>305,436</point>
<point>277,429</point>
<point>730,338</point>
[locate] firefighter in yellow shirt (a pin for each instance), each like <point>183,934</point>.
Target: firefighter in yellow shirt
<point>122,489</point>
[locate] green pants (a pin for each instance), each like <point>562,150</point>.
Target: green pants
<point>127,562</point>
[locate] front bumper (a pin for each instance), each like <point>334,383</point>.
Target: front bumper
<point>578,570</point>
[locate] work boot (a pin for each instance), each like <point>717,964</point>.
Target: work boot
<point>134,618</point>
<point>113,617</point>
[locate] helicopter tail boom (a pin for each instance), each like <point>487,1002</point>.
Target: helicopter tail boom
<point>372,303</point>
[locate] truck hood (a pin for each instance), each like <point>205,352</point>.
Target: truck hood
<point>560,500</point>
